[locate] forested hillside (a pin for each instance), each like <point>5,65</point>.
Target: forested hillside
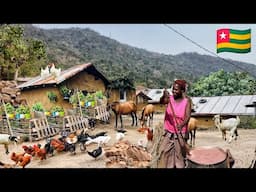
<point>68,47</point>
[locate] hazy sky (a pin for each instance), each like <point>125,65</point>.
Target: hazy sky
<point>161,39</point>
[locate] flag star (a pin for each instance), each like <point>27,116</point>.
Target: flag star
<point>223,35</point>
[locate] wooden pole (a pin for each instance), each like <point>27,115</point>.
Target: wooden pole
<point>7,118</point>
<point>80,109</point>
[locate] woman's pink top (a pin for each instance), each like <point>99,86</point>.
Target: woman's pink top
<point>180,111</point>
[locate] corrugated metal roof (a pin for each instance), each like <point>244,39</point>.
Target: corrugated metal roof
<point>65,74</point>
<point>155,94</point>
<point>224,105</point>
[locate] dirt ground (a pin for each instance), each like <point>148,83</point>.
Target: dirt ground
<point>242,149</point>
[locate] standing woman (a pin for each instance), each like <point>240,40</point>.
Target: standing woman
<point>176,120</point>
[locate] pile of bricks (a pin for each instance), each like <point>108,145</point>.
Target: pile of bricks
<point>125,155</point>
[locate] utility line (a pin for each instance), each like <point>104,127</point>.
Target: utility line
<point>207,50</point>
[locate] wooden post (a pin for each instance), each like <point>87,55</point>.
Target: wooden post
<point>80,109</point>
<point>7,118</point>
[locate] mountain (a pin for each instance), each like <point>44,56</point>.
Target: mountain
<point>68,47</point>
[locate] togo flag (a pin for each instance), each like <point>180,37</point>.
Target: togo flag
<point>232,40</point>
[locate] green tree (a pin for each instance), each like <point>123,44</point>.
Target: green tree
<point>222,83</point>
<point>16,51</point>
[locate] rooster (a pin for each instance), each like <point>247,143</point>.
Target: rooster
<point>41,153</point>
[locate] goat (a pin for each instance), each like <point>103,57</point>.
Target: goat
<point>227,124</point>
<point>6,139</point>
<point>103,140</point>
<point>192,126</point>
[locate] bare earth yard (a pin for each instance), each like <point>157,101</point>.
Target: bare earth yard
<point>242,149</point>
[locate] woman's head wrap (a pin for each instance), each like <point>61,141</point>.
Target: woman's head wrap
<point>182,83</point>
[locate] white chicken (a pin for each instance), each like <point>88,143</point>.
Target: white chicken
<point>55,71</point>
<point>119,136</point>
<point>45,72</point>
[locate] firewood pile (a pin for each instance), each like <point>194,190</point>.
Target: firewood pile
<point>125,155</point>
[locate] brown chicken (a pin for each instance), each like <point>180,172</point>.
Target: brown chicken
<point>29,149</point>
<point>17,157</point>
<point>57,145</point>
<point>25,160</point>
<point>41,153</point>
<point>149,134</point>
<point>21,159</point>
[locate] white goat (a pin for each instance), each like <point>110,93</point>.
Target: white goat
<point>227,124</point>
<point>6,139</point>
<point>101,140</point>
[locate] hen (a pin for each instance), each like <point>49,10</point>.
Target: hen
<point>16,157</point>
<point>41,153</point>
<point>25,160</point>
<point>29,150</point>
<point>58,145</point>
<point>22,159</point>
<point>149,133</point>
<point>96,153</point>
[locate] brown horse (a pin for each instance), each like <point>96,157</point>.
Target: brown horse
<point>124,108</point>
<point>147,112</point>
<point>192,126</point>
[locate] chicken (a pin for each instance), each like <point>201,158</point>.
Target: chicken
<point>121,131</point>
<point>21,159</point>
<point>41,153</point>
<point>149,133</point>
<point>25,160</point>
<point>29,150</point>
<point>119,136</point>
<point>71,139</point>
<point>48,148</point>
<point>142,129</point>
<point>57,145</point>
<point>17,157</point>
<point>96,153</point>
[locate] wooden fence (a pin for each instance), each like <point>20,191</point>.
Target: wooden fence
<point>72,123</point>
<point>40,129</point>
